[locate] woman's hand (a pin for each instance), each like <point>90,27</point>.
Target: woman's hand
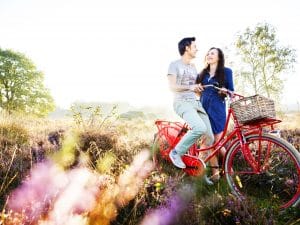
<point>223,91</point>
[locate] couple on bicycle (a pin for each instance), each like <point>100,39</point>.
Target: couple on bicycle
<point>202,109</point>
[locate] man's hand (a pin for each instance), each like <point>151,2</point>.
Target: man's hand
<point>198,88</point>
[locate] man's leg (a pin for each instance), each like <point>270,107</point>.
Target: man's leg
<point>189,113</point>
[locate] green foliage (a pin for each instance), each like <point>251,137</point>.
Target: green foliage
<point>263,61</point>
<point>21,86</point>
<point>67,155</point>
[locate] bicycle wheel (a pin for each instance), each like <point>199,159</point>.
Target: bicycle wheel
<point>275,182</point>
<point>162,162</point>
<point>160,155</point>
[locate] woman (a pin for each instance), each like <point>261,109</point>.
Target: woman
<point>213,101</point>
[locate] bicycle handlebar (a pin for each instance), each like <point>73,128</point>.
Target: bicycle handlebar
<point>211,85</point>
<point>215,86</point>
<point>229,93</point>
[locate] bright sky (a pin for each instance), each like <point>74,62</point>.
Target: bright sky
<point>120,50</point>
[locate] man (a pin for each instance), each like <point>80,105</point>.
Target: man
<point>182,76</point>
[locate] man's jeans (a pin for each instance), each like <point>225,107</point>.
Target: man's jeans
<point>192,112</point>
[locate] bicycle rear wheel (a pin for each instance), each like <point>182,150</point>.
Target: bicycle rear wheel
<point>162,162</point>
<point>276,182</point>
<point>160,155</point>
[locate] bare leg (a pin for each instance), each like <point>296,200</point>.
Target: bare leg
<point>214,160</point>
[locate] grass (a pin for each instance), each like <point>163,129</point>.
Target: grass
<point>120,188</point>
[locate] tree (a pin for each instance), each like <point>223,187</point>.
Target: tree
<point>263,60</point>
<point>21,86</point>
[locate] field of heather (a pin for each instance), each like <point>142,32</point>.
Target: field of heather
<point>98,170</point>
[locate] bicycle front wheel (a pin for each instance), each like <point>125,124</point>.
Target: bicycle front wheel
<point>274,180</point>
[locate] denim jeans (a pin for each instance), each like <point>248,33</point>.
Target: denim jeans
<point>192,112</point>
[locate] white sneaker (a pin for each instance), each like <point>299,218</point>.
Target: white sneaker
<point>176,159</point>
<point>207,180</point>
<point>211,180</point>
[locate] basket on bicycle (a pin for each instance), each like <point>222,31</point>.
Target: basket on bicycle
<point>253,108</point>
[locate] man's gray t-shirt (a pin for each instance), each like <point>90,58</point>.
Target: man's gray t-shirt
<point>186,74</point>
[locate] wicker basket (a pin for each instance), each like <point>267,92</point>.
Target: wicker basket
<point>253,108</point>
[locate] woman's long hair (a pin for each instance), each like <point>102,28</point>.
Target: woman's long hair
<point>220,74</point>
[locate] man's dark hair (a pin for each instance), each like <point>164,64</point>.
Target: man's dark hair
<point>184,43</point>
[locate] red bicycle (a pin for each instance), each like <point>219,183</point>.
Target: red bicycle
<point>256,164</point>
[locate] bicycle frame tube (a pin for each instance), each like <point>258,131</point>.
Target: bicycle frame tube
<point>222,141</point>
<point>236,135</point>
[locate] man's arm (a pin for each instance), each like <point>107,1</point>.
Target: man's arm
<point>179,88</point>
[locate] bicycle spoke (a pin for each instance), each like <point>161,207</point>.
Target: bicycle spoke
<point>160,151</point>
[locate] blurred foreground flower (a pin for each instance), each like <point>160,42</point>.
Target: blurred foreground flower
<point>120,193</point>
<point>170,212</point>
<point>80,196</point>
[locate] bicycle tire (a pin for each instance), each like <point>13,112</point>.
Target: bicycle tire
<point>160,152</point>
<point>278,182</point>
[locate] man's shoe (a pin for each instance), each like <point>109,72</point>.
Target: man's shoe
<point>207,180</point>
<point>176,159</point>
<point>213,179</point>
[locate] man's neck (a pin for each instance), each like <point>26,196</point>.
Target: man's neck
<point>186,59</point>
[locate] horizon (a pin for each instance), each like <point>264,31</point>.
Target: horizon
<point>286,108</point>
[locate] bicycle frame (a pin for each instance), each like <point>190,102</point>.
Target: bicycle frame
<point>237,134</point>
<point>253,157</point>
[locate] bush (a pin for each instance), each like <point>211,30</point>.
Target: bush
<point>13,134</point>
<point>15,162</point>
<point>99,147</point>
<point>104,141</point>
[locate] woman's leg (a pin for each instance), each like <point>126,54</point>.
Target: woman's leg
<point>208,140</point>
<point>214,163</point>
<point>217,138</point>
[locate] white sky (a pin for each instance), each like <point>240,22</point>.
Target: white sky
<point>119,50</point>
